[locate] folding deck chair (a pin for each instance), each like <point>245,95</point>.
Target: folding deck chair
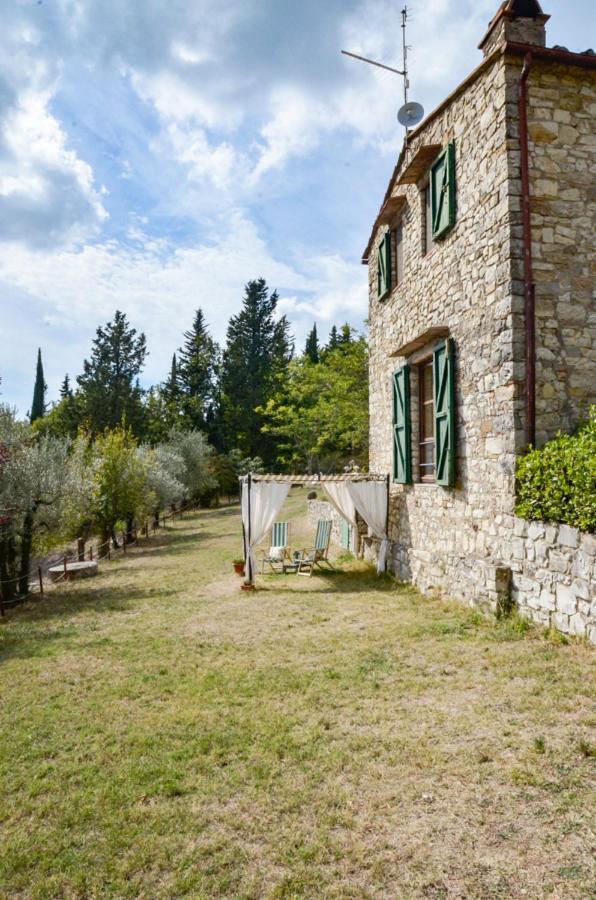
<point>319,553</point>
<point>280,547</point>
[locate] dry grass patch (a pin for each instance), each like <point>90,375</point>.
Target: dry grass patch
<point>165,735</point>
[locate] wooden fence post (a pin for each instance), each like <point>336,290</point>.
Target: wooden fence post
<point>40,576</point>
<point>81,549</point>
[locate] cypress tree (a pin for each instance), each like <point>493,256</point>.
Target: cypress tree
<point>38,407</point>
<point>311,349</point>
<point>255,363</point>
<point>197,375</point>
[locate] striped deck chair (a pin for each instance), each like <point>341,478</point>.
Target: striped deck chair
<point>280,547</point>
<point>320,550</point>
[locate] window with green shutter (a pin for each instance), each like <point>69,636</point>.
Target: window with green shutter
<point>384,266</point>
<point>442,187</point>
<point>444,391</point>
<point>402,445</point>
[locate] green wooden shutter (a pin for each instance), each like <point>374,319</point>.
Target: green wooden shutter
<point>384,266</point>
<point>444,391</point>
<point>402,443</point>
<point>442,185</point>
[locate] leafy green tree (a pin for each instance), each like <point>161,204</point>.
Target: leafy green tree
<point>255,365</point>
<point>345,336</point>
<point>120,484</point>
<point>38,407</point>
<point>197,376</point>
<point>320,419</point>
<point>311,349</point>
<point>34,487</point>
<point>165,469</point>
<point>109,388</point>
<point>196,474</point>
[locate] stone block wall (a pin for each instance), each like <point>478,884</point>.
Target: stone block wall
<point>322,509</point>
<point>547,571</point>
<point>553,575</point>
<point>562,146</point>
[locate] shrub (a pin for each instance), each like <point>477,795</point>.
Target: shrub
<point>558,482</point>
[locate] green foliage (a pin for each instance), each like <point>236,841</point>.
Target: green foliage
<point>311,349</point>
<point>558,482</point>
<point>196,389</point>
<point>255,366</point>
<point>109,388</point>
<point>120,483</point>
<point>320,416</point>
<point>195,454</point>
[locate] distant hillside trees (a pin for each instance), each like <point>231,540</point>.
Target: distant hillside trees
<point>251,400</point>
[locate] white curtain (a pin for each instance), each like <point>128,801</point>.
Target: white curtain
<point>370,499</point>
<point>340,498</point>
<point>265,501</point>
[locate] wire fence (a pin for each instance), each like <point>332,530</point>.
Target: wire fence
<point>108,550</point>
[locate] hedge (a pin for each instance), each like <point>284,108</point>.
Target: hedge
<point>558,482</point>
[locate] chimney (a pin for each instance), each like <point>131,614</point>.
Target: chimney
<point>519,21</point>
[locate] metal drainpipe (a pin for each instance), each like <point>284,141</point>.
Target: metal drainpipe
<point>529,291</point>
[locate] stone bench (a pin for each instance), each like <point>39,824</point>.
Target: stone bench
<point>74,570</point>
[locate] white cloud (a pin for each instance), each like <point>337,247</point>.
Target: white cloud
<point>47,193</point>
<point>159,286</point>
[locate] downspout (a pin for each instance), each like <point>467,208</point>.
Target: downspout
<point>529,291</point>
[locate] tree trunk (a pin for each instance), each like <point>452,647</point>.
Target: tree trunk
<point>130,525</point>
<point>6,575</point>
<point>156,518</point>
<point>26,544</point>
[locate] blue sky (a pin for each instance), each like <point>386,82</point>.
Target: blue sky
<point>155,156</point>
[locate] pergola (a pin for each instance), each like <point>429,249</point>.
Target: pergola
<point>262,496</point>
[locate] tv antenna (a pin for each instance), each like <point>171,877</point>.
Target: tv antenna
<point>410,114</point>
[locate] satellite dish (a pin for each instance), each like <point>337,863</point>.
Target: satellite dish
<point>410,114</point>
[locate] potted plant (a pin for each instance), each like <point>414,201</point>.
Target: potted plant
<point>238,566</point>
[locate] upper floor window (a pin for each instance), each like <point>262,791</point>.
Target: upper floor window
<point>384,277</point>
<point>442,191</point>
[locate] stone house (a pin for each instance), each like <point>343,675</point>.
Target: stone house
<point>483,323</point>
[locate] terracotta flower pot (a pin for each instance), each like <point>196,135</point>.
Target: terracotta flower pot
<point>239,568</point>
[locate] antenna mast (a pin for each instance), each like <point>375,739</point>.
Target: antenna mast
<point>410,114</point>
<point>404,19</point>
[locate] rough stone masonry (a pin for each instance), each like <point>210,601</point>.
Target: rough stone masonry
<point>467,285</point>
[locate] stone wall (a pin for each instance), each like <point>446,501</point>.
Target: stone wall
<point>548,573</point>
<point>562,139</point>
<point>322,509</point>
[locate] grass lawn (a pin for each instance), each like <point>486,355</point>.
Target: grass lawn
<point>165,735</point>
